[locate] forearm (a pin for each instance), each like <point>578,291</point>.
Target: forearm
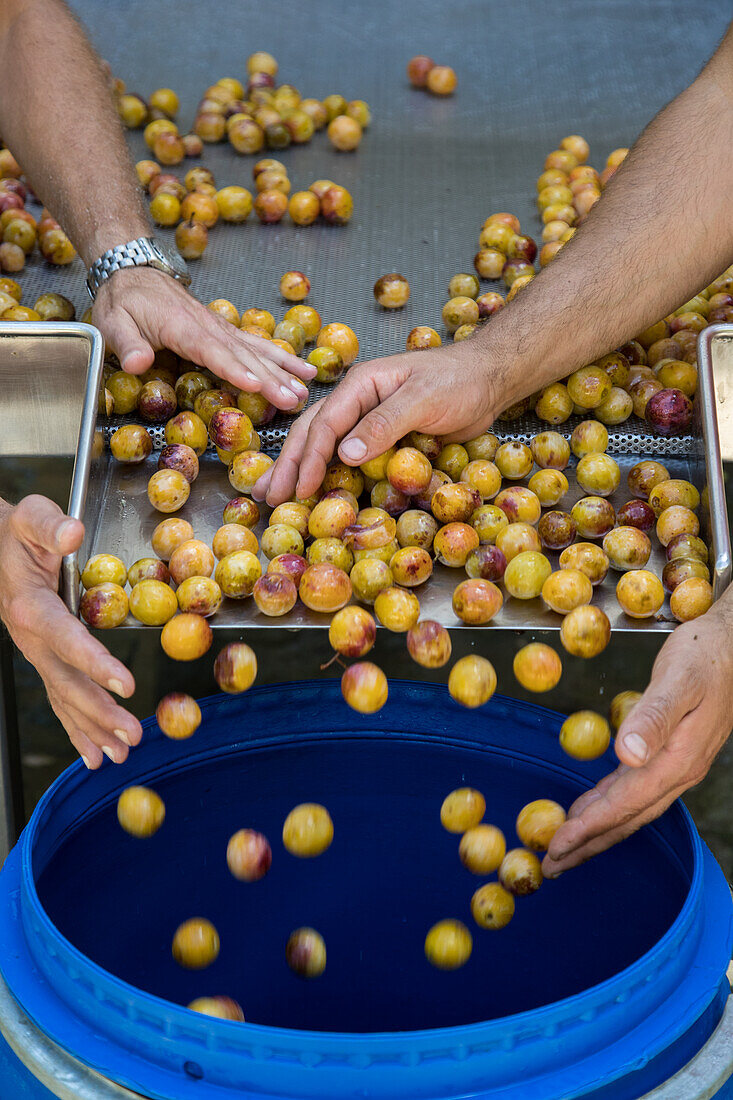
<point>662,230</point>
<point>57,117</point>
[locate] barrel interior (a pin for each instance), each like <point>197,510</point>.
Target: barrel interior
<point>391,872</point>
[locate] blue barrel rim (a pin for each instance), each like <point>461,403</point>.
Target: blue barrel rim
<point>674,932</point>
<point>258,1040</point>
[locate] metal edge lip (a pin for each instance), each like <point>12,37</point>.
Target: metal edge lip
<point>710,1068</point>
<point>713,459</point>
<point>64,1076</point>
<point>569,1009</point>
<point>82,461</point>
<point>68,578</point>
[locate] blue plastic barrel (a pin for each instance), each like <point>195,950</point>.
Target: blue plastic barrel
<point>605,983</point>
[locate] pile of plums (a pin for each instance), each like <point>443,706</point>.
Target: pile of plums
<point>360,549</point>
<point>252,115</point>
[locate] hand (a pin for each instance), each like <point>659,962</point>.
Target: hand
<point>140,310</point>
<point>666,745</point>
<point>444,392</point>
<point>74,666</point>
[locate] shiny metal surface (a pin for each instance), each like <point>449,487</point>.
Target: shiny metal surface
<point>715,373</point>
<point>126,521</point>
<point>43,373</point>
<point>120,520</point>
<point>429,169</point>
<point>12,815</point>
<point>49,380</point>
<point>64,1076</point>
<point>704,1077</point>
<point>426,173</point>
<point>50,374</point>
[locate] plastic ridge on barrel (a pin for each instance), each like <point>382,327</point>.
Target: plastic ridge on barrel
<point>646,1020</point>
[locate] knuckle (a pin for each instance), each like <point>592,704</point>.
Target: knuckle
<point>135,735</point>
<point>697,774</point>
<point>29,510</point>
<point>63,692</point>
<point>655,714</point>
<point>19,614</point>
<point>17,519</point>
<point>118,752</point>
<point>168,332</point>
<point>690,767</point>
<point>379,427</point>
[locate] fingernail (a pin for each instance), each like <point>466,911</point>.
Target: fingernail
<point>259,492</point>
<point>299,388</point>
<point>123,737</point>
<point>108,753</point>
<point>86,762</point>
<point>64,529</point>
<point>116,686</point>
<point>252,377</point>
<point>287,392</point>
<point>637,746</point>
<point>355,449</point>
<point>592,796</point>
<point>552,874</point>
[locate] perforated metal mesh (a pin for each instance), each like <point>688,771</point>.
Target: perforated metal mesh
<point>633,441</point>
<point>429,170</point>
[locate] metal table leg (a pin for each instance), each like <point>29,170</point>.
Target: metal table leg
<point>11,786</point>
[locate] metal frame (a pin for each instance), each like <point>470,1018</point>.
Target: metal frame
<point>68,1079</point>
<point>12,810</point>
<point>69,579</point>
<point>65,1077</point>
<point>11,788</point>
<point>714,390</point>
<point>122,521</point>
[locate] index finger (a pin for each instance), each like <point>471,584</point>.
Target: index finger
<point>71,642</point>
<point>243,342</point>
<point>238,360</point>
<point>363,389</point>
<point>632,792</point>
<point>553,867</point>
<point>278,483</point>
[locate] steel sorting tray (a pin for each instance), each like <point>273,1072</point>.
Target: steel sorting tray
<point>124,520</point>
<point>50,374</point>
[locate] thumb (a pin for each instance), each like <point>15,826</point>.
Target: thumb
<point>653,720</point>
<point>126,341</point>
<point>382,427</point>
<point>41,524</point>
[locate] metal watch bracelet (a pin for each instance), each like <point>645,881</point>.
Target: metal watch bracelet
<point>141,252</point>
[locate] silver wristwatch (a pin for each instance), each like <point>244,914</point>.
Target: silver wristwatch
<point>143,252</point>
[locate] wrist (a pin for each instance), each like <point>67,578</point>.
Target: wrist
<point>105,237</point>
<point>507,363</point>
<point>146,280</point>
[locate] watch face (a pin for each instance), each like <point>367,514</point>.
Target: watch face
<point>171,256</point>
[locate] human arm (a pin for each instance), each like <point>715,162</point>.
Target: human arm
<point>662,230</point>
<point>76,669</point>
<point>72,148</point>
<point>666,744</point>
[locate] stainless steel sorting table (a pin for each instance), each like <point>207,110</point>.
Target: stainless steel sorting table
<point>427,173</point>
